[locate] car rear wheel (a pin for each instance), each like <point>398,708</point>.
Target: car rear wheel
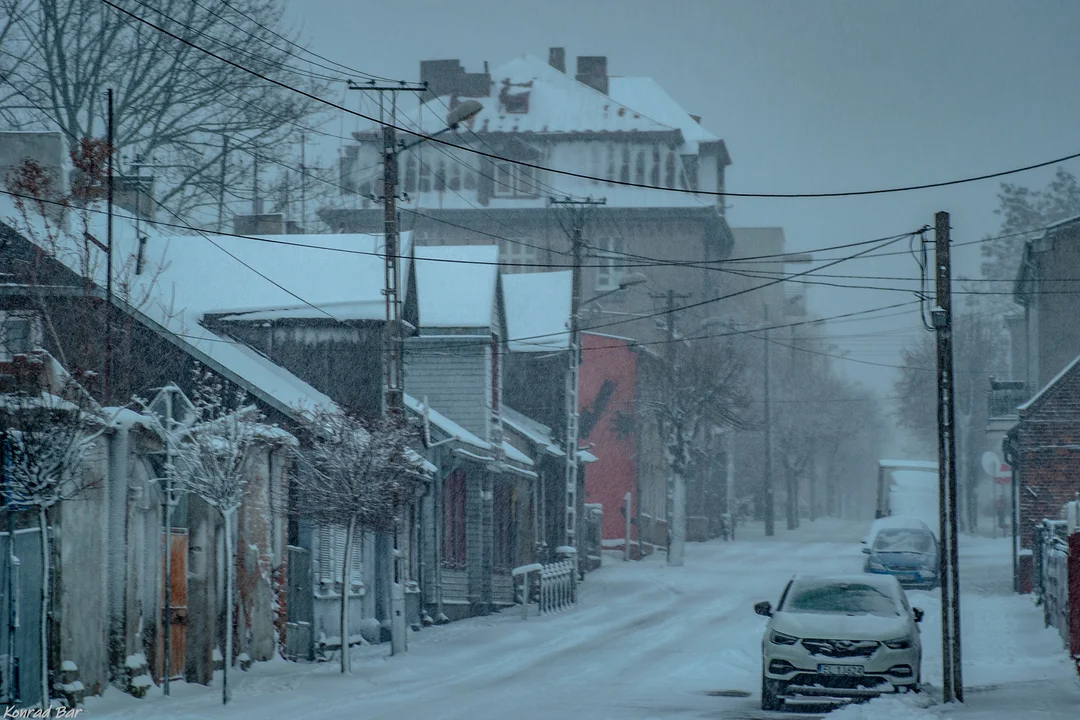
<point>770,694</point>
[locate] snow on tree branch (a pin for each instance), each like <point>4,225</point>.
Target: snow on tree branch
<point>357,470</point>
<point>50,440</point>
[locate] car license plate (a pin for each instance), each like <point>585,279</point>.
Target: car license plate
<point>907,577</point>
<point>848,670</point>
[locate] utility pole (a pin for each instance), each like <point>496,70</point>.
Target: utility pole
<point>393,370</point>
<point>952,684</point>
<point>256,201</point>
<point>11,689</point>
<point>570,526</point>
<point>303,183</point>
<point>221,182</point>
<point>767,483</point>
<point>109,253</point>
<point>166,510</point>
<point>675,509</point>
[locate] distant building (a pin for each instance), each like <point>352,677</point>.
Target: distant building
<point>619,129</point>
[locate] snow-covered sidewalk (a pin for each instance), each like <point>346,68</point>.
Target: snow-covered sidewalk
<point>649,641</point>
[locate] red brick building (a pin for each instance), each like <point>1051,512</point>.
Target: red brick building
<point>1044,451</point>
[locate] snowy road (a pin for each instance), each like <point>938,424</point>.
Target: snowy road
<point>653,642</point>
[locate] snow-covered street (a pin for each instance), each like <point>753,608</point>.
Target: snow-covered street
<point>650,641</point>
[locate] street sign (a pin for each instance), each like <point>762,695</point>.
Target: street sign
<point>1004,474</point>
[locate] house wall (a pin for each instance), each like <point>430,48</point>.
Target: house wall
<point>1048,444</point>
<point>607,388</point>
<point>344,362</point>
<point>1054,334</point>
<point>453,375</point>
<point>259,557</point>
<point>81,558</point>
<point>141,614</point>
<point>652,470</point>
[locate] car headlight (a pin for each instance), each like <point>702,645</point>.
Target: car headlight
<point>903,643</point>
<point>876,565</point>
<point>779,638</point>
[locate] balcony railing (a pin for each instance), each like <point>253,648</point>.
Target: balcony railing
<point>1005,396</point>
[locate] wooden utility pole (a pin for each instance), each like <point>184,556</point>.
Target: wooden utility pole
<point>952,678</point>
<point>767,481</point>
<point>570,526</point>
<point>109,253</point>
<point>303,182</point>
<point>393,596</point>
<point>221,182</point>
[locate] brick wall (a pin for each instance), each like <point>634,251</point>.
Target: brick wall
<point>1048,445</point>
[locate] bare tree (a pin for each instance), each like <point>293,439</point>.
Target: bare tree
<point>59,224</point>
<point>211,459</point>
<point>704,389</point>
<point>174,105</point>
<point>358,475</point>
<point>49,439</point>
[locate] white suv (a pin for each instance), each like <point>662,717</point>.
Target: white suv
<point>839,638</point>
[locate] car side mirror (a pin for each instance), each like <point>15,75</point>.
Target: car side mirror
<point>763,608</point>
<point>918,614</point>
<point>866,551</point>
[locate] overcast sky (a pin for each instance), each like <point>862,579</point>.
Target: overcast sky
<point>827,95</point>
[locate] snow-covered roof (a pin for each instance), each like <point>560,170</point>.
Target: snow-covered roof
<point>455,285</point>
<point>187,277</point>
<point>646,96</point>
<point>537,310</point>
<point>557,103</point>
<point>535,431</point>
<point>445,424</point>
<point>459,433</point>
<point>1046,388</point>
<point>351,310</point>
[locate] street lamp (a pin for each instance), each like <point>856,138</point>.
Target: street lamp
<point>628,281</point>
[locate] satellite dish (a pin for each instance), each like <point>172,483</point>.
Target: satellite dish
<point>991,463</point>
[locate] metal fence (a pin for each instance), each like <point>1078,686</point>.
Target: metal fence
<point>550,586</point>
<point>1052,575</point>
<point>20,661</point>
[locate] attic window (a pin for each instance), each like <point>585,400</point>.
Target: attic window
<point>19,333</point>
<point>514,102</point>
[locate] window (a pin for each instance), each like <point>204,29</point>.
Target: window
<point>425,177</point>
<point>639,168</point>
<point>410,175</point>
<point>332,557</point>
<point>624,170</point>
<point>654,173</point>
<point>839,598</point>
<point>19,333</point>
<point>440,174</point>
<point>669,170</point>
<point>513,180</point>
<point>453,520</point>
<point>608,260</point>
<point>517,256</point>
<point>505,549</point>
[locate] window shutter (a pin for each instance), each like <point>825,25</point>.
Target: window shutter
<point>486,182</point>
<point>326,555</point>
<point>357,559</point>
<point>339,552</point>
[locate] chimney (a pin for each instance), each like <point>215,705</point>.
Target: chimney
<point>557,59</point>
<point>448,77</point>
<point>592,71</point>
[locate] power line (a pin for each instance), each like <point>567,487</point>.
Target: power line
<point>582,176</point>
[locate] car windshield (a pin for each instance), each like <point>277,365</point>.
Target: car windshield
<point>852,598</point>
<point>910,541</point>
